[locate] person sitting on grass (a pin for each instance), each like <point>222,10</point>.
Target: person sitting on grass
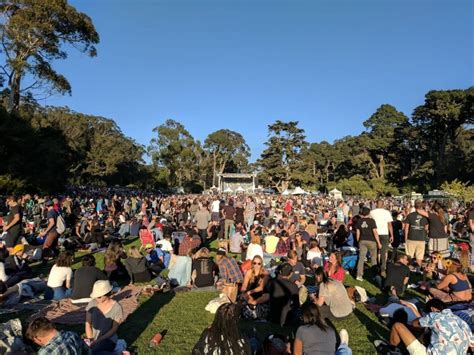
<point>113,266</point>
<point>316,337</point>
<point>85,278</point>
<point>255,281</point>
<point>455,287</point>
<point>223,337</point>
<point>103,318</point>
<point>16,266</point>
<point>334,268</point>
<point>136,266</point>
<point>229,270</point>
<point>449,333</point>
<point>203,269</point>
<point>255,246</point>
<point>60,277</point>
<point>398,274</point>
<point>42,332</point>
<point>157,258</point>
<point>332,297</point>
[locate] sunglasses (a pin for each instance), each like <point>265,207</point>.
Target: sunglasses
<point>257,263</point>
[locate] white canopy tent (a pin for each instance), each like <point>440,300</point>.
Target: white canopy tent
<point>228,190</point>
<point>239,189</point>
<point>336,194</point>
<point>299,191</point>
<point>285,193</point>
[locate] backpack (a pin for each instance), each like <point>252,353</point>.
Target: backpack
<point>60,224</point>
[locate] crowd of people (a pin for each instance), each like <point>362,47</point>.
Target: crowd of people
<point>277,259</point>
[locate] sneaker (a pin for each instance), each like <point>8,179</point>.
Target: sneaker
<point>413,286</point>
<point>359,278</point>
<point>344,335</point>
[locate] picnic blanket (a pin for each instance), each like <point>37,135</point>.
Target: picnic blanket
<point>65,312</point>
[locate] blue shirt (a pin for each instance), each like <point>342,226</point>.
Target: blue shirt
<point>450,335</point>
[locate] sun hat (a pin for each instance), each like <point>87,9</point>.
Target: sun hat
<point>17,248</point>
<point>101,288</point>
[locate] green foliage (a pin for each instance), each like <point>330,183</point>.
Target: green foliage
<point>459,189</point>
<point>281,162</point>
<point>32,34</point>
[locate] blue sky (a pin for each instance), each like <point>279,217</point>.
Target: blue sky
<point>242,65</point>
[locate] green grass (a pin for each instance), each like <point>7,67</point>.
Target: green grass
<point>183,317</point>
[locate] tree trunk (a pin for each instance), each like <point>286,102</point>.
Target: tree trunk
<point>381,166</point>
<point>14,101</point>
<point>214,175</point>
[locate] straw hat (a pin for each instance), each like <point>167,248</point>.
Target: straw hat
<point>101,288</point>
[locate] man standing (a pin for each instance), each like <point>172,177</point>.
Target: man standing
<point>50,232</point>
<point>368,238</point>
<point>383,219</point>
<point>202,221</point>
<point>416,226</point>
<point>14,225</point>
<point>228,212</point>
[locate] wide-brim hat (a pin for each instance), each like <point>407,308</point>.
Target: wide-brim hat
<point>101,288</point>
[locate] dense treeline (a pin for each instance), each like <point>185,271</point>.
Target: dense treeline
<point>45,148</point>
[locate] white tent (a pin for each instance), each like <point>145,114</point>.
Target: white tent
<point>336,194</point>
<point>299,191</point>
<point>239,189</point>
<point>228,190</point>
<point>285,193</point>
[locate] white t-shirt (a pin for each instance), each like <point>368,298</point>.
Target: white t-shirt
<point>382,217</point>
<point>315,257</point>
<point>58,275</point>
<point>165,245</point>
<point>215,206</point>
<point>253,250</point>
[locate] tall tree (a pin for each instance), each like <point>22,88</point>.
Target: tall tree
<point>33,35</point>
<point>175,149</point>
<point>440,120</point>
<point>281,161</point>
<point>224,147</point>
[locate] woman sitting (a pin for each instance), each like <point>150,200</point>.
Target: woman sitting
<point>314,256</point>
<point>203,269</point>
<point>223,337</point>
<point>113,266</point>
<point>334,268</point>
<point>136,266</point>
<point>455,287</point>
<point>255,247</point>
<point>314,336</point>
<point>60,276</point>
<point>103,317</point>
<point>255,281</point>
<point>332,297</point>
<point>340,238</point>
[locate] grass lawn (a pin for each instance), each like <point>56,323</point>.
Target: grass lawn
<point>183,317</point>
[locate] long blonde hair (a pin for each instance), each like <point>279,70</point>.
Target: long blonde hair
<point>134,252</point>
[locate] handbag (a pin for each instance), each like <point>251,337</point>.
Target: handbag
<point>230,290</point>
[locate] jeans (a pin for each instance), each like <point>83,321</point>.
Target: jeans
<point>343,349</point>
<point>57,293</point>
<point>385,241</point>
<point>104,347</point>
<point>227,227</point>
<point>364,246</point>
<point>203,234</point>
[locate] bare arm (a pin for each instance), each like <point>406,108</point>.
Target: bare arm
<point>89,333</point>
<point>108,334</point>
<point>377,239</point>
<point>298,347</point>
<point>14,221</point>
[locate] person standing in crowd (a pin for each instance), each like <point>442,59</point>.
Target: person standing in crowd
<point>416,226</point>
<point>249,211</point>
<point>228,212</point>
<point>14,224</point>
<point>203,218</point>
<point>438,230</point>
<point>383,220</point>
<point>368,239</point>
<point>50,233</point>
<point>215,210</point>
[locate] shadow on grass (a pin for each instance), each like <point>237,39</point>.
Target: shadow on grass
<point>377,331</point>
<point>139,320</point>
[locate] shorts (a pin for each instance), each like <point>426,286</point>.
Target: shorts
<point>438,244</point>
<point>215,216</point>
<point>416,348</point>
<point>415,248</point>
